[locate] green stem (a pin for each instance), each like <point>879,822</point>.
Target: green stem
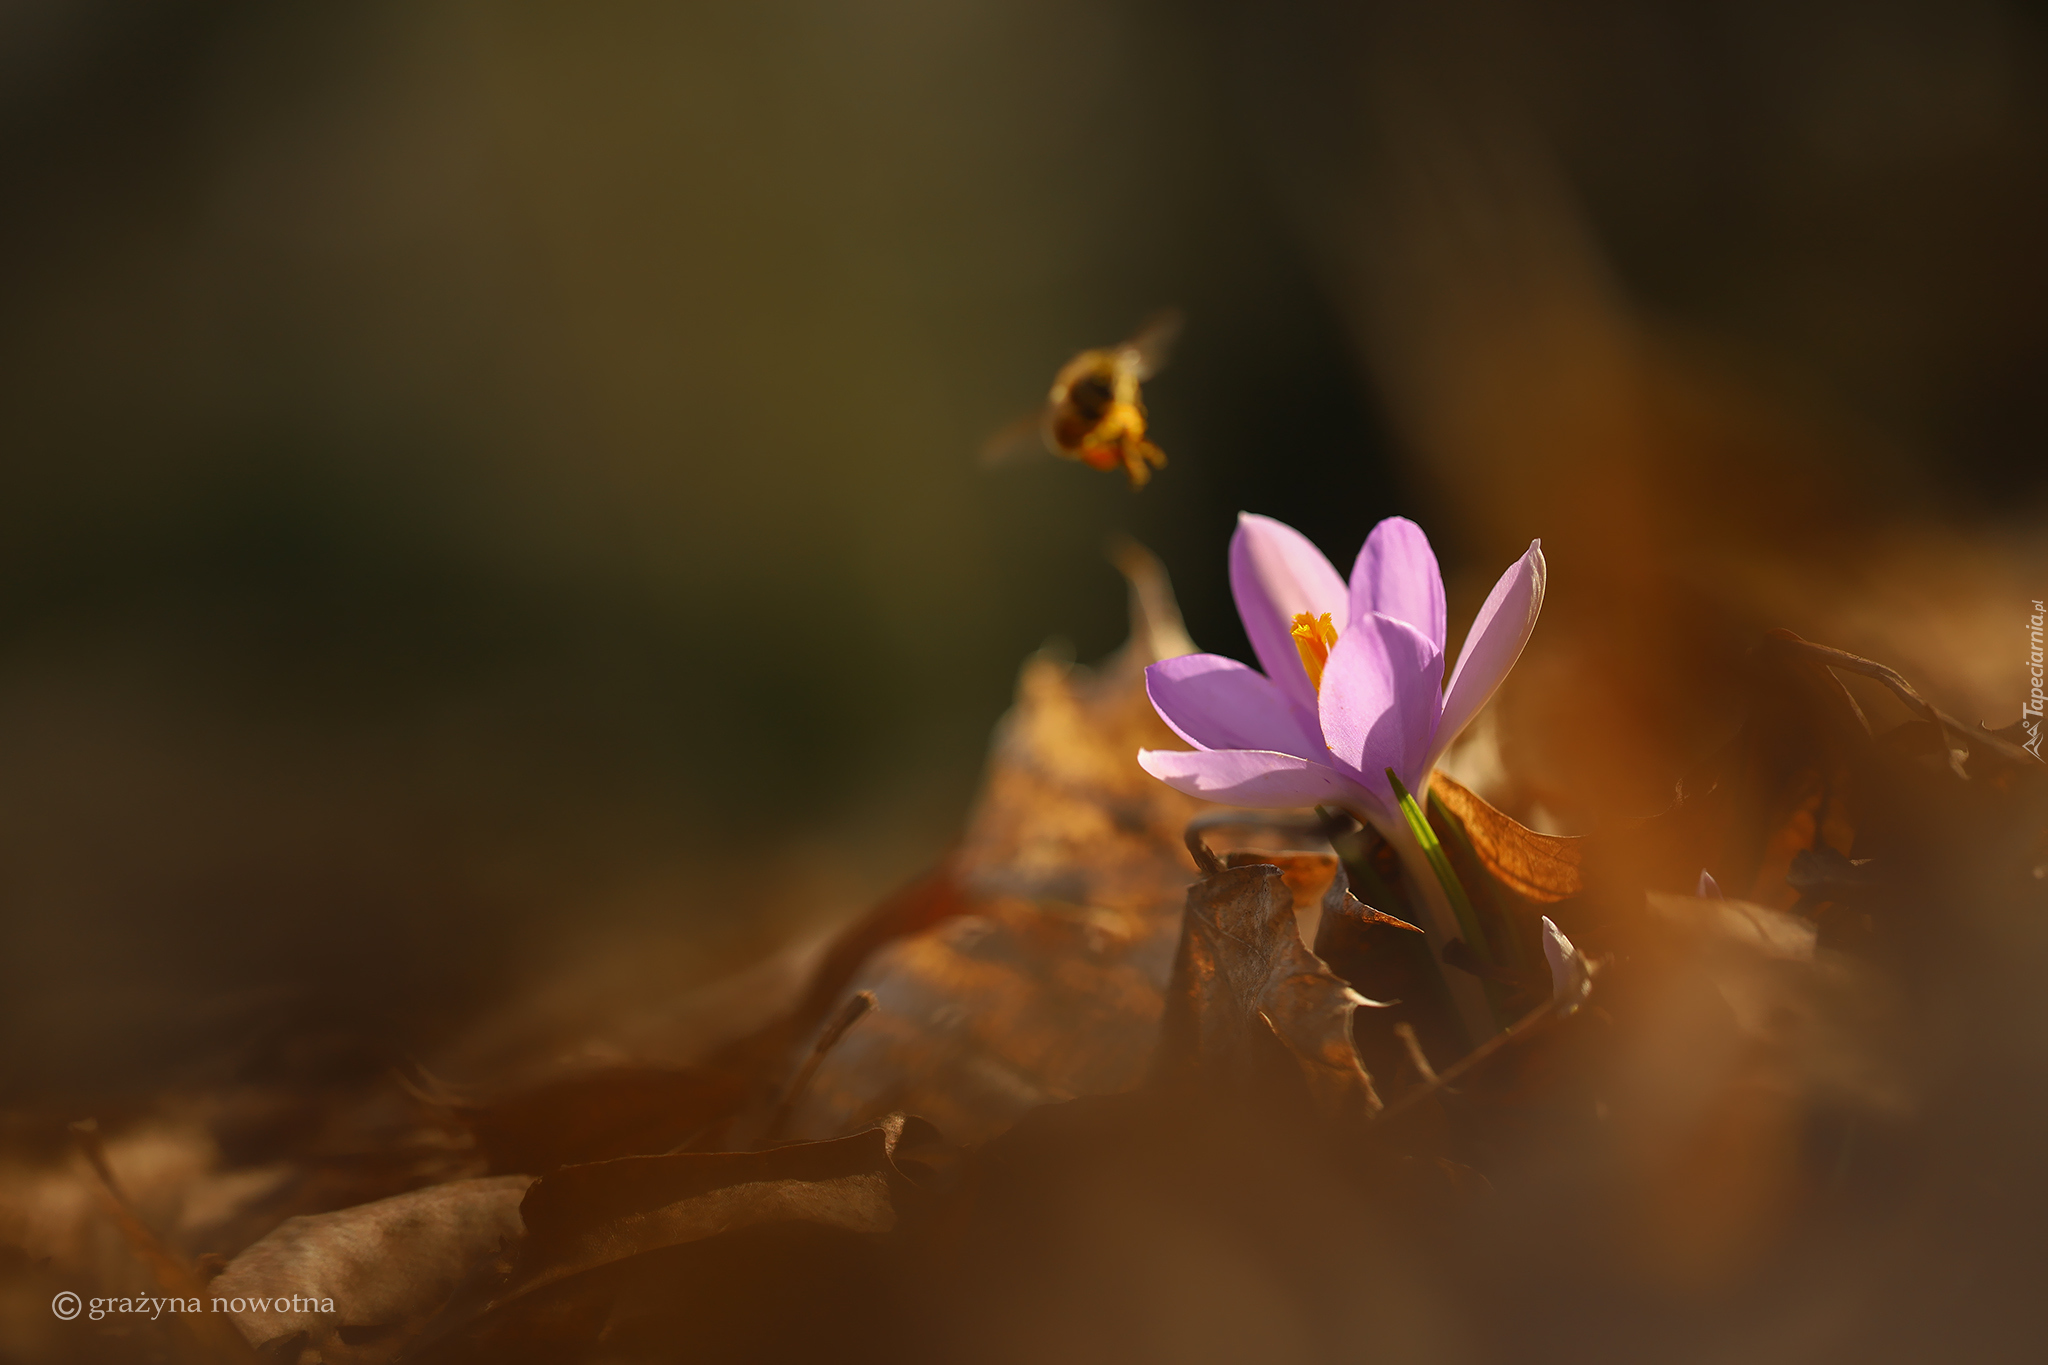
<point>1468,994</point>
<point>1439,863</point>
<point>1517,951</point>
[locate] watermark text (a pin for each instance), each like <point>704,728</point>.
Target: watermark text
<point>2037,699</point>
<point>68,1305</point>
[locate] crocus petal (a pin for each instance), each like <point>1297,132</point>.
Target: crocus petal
<point>1251,777</point>
<point>1218,703</point>
<point>1277,573</point>
<point>1492,645</point>
<point>1396,575</point>
<point>1380,700</point>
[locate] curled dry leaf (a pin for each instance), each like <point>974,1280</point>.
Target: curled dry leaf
<point>1387,958</point>
<point>1314,879</point>
<point>1019,1004</point>
<point>1044,981</point>
<point>1540,867</point>
<point>356,1284</point>
<point>1374,951</point>
<point>611,1243</point>
<point>1242,979</point>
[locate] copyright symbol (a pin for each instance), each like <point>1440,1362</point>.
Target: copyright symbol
<point>66,1305</point>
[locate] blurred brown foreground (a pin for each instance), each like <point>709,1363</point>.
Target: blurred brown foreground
<point>1056,1100</point>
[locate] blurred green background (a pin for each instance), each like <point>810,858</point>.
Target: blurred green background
<point>480,481</point>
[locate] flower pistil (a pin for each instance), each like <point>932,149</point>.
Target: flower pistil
<point>1313,637</point>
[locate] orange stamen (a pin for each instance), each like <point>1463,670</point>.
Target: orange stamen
<point>1313,636</point>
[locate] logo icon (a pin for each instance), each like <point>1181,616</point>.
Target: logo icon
<point>66,1305</point>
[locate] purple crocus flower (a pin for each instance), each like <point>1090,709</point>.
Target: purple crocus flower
<point>1353,676</point>
<point>1353,685</point>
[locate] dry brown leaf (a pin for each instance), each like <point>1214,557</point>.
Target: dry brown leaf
<point>1309,876</point>
<point>1242,977</point>
<point>1044,982</point>
<point>356,1284</point>
<point>1373,947</point>
<point>584,1217</point>
<point>1020,1004</point>
<point>1388,959</point>
<point>1541,867</point>
<point>602,1238</point>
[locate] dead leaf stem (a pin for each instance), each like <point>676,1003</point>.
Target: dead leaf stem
<point>852,1012</point>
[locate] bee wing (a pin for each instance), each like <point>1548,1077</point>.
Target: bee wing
<point>1154,341</point>
<point>1016,440</point>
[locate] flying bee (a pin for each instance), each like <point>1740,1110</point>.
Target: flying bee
<point>1095,412</point>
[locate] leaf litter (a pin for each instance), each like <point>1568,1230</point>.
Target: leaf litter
<point>1128,1078</point>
